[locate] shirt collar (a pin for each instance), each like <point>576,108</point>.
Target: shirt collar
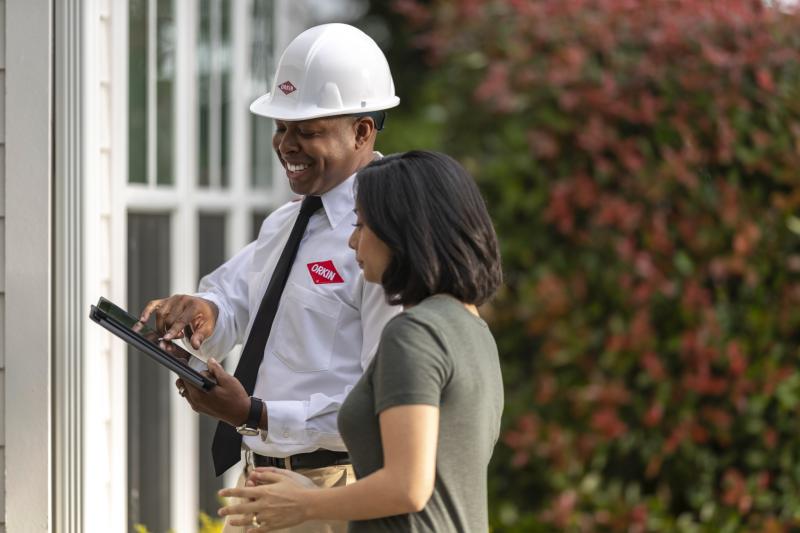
<point>340,200</point>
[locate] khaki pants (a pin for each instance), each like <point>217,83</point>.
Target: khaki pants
<point>329,476</point>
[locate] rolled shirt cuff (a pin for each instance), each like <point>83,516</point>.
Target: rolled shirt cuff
<point>286,422</point>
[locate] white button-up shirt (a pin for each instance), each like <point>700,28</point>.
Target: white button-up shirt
<point>325,332</point>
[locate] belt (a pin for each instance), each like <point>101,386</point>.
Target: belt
<point>302,461</point>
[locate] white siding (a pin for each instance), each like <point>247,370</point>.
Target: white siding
<point>2,264</point>
<point>26,128</point>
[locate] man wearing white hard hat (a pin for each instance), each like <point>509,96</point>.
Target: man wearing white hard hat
<point>296,298</point>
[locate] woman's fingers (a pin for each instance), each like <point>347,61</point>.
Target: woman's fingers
<point>248,507</point>
<point>240,492</point>
<point>244,520</point>
<point>279,472</point>
<point>264,476</point>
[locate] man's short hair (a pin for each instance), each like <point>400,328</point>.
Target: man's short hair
<point>431,215</point>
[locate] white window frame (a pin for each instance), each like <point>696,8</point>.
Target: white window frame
<point>184,200</point>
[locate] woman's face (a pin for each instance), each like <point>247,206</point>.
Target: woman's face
<point>372,254</point>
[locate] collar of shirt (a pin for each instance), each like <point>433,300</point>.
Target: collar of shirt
<point>339,201</point>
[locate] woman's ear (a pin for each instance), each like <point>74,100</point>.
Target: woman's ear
<point>364,130</point>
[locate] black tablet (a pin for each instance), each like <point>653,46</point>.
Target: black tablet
<point>144,338</point>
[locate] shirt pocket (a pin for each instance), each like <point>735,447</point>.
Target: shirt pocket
<point>306,329</point>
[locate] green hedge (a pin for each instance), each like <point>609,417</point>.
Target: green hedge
<point>641,159</point>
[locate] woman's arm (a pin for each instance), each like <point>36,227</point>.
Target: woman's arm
<point>404,484</point>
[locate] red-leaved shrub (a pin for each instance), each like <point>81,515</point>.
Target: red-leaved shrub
<point>641,159</point>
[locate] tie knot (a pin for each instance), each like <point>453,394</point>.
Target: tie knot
<point>310,205</point>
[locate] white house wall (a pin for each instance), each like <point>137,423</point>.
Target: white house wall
<point>27,125</point>
<point>2,263</point>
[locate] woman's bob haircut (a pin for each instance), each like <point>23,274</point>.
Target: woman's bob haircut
<point>429,212</point>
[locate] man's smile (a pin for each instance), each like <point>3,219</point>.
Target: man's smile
<point>296,167</point>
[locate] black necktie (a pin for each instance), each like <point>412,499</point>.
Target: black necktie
<point>227,443</point>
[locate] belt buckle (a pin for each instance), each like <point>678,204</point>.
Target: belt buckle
<point>287,463</point>
<point>249,459</point>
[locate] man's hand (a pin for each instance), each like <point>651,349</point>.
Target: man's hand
<point>183,315</point>
<point>227,401</point>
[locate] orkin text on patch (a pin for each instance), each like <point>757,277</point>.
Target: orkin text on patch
<point>324,272</point>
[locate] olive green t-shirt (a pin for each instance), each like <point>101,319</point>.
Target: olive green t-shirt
<point>435,353</point>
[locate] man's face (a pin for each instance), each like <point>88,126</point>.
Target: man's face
<point>317,154</point>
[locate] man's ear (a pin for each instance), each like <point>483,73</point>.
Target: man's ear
<point>364,130</point>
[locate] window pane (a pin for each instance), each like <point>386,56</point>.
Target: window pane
<point>165,78</point>
<point>257,220</point>
<point>137,91</point>
<point>225,51</point>
<point>214,65</point>
<point>211,241</point>
<point>261,152</point>
<point>261,66</point>
<point>203,93</point>
<point>149,384</point>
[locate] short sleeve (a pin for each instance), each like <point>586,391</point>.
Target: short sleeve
<point>412,365</point>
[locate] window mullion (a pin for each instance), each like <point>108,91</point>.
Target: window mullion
<point>183,265</point>
<point>238,231</point>
<point>152,79</point>
<point>215,93</point>
<point>186,142</point>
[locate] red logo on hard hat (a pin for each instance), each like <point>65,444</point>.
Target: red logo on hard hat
<point>324,272</point>
<point>287,87</point>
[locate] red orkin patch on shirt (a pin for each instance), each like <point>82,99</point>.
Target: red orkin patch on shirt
<point>324,272</point>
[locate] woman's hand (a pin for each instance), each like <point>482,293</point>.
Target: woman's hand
<point>276,501</point>
<point>261,476</point>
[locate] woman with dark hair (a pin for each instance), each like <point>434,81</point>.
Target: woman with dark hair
<point>423,420</point>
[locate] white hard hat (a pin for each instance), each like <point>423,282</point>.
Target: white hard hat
<point>332,69</point>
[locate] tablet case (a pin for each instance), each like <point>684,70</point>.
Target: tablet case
<point>98,314</point>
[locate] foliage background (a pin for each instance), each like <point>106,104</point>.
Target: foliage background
<point>641,160</point>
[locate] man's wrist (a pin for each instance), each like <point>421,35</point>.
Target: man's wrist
<point>252,418</point>
<point>263,423</point>
<point>243,412</point>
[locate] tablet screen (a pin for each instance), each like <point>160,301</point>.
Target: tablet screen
<point>141,329</point>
